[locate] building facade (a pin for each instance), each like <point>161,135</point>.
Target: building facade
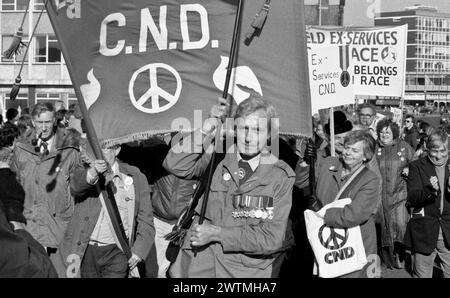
<point>428,54</point>
<point>324,12</point>
<point>44,74</point>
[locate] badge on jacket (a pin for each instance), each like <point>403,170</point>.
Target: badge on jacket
<point>226,176</point>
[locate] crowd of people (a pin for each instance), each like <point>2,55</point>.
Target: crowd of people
<point>54,221</point>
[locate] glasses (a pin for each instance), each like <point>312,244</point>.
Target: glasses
<point>366,115</point>
<point>407,121</point>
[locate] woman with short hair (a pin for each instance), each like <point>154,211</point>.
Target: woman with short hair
<point>359,147</point>
<point>393,156</point>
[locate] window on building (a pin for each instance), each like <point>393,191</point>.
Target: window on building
<point>40,54</point>
<point>14,5</point>
<point>72,99</point>
<point>411,80</point>
<point>47,96</point>
<point>6,42</point>
<point>51,97</point>
<point>39,4</point>
<point>47,49</point>
<point>20,101</point>
<point>23,95</point>
<point>438,66</point>
<point>72,96</point>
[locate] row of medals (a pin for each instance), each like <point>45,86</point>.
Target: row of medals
<point>254,213</point>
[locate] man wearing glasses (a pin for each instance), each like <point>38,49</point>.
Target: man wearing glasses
<point>410,134</point>
<point>367,115</point>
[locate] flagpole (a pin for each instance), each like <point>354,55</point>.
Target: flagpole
<point>234,43</point>
<point>110,203</point>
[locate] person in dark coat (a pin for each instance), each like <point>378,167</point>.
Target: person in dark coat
<point>393,156</point>
<point>428,229</point>
<point>12,194</point>
<point>410,134</point>
<point>21,256</point>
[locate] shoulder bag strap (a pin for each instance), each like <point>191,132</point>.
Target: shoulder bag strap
<point>353,179</point>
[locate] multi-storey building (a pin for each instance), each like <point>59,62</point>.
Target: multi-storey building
<point>428,53</point>
<point>44,75</point>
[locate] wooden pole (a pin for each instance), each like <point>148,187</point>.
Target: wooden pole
<point>333,152</point>
<point>108,194</point>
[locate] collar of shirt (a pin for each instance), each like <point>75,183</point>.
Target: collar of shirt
<point>49,142</point>
<point>254,162</point>
<point>116,171</point>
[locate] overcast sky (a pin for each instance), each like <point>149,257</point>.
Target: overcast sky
<point>357,12</point>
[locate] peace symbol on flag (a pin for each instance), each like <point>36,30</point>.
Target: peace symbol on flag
<point>154,92</point>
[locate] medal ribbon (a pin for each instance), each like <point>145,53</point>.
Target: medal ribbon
<point>252,202</point>
<point>344,57</point>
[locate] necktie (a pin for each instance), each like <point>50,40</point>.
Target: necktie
<point>245,171</point>
<point>44,148</point>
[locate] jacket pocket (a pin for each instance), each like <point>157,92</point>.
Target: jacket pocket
<point>64,203</point>
<point>216,204</point>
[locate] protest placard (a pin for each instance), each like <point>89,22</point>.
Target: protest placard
<point>330,80</point>
<point>377,56</point>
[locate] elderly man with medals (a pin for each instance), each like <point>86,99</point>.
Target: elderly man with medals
<point>249,200</point>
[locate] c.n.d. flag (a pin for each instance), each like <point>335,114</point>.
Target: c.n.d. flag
<point>141,64</point>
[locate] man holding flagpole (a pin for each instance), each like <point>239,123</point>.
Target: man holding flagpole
<point>249,200</point>
<point>90,248</point>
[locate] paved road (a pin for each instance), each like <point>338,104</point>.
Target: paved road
<point>395,273</point>
<point>403,273</point>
